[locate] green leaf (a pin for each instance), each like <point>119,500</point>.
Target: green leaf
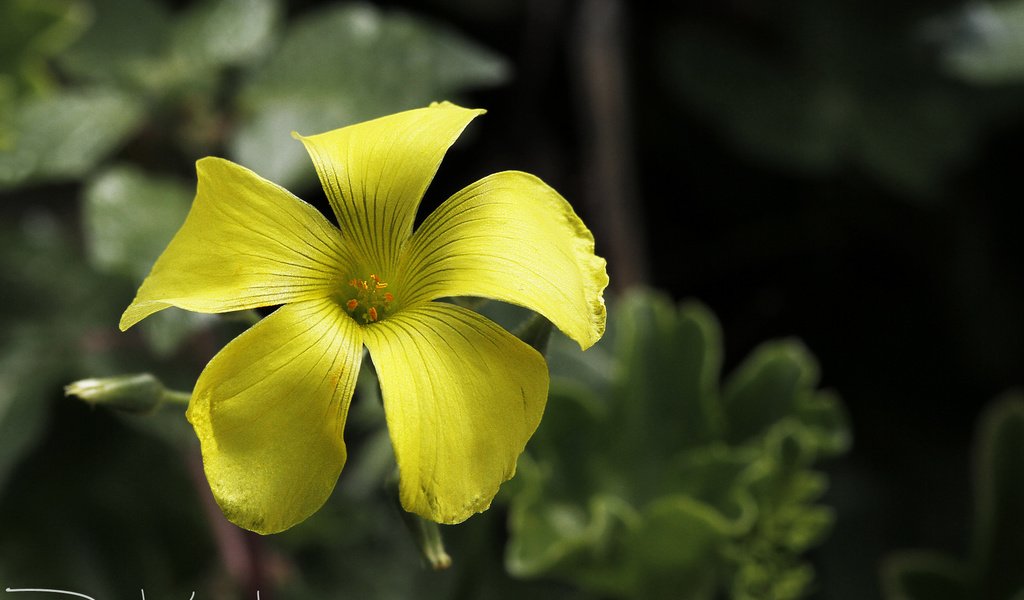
<point>65,136</point>
<point>125,39</point>
<point>142,46</point>
<point>825,423</point>
<point>924,576</point>
<point>715,475</point>
<point>32,31</point>
<point>129,217</point>
<point>27,368</point>
<point>756,580</point>
<point>655,484</point>
<point>50,305</point>
<point>344,64</point>
<point>671,359</point>
<point>984,42</point>
<point>771,111</point>
<point>999,485</point>
<point>995,568</point>
<point>798,89</point>
<point>125,504</point>
<point>225,33</point>
<point>674,550</point>
<point>767,387</point>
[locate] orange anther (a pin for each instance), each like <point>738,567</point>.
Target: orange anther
<point>388,297</point>
<point>351,304</point>
<point>372,313</point>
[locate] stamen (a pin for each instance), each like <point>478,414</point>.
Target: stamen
<point>368,303</point>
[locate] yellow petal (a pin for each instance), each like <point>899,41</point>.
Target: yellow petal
<point>510,237</point>
<point>245,243</point>
<point>462,397</point>
<point>269,411</point>
<point>375,173</point>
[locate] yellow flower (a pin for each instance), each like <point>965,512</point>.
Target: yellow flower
<point>462,396</point>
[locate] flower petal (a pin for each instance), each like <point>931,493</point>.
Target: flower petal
<point>269,411</point>
<point>510,237</point>
<point>462,397</point>
<point>375,173</point>
<point>245,243</point>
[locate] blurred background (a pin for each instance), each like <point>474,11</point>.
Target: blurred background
<point>837,182</point>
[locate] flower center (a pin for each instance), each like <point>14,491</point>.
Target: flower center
<point>370,301</point>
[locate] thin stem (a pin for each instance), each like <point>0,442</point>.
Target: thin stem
<point>608,156</point>
<point>177,397</point>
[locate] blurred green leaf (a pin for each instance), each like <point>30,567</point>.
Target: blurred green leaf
<point>800,89</point>
<point>65,136</point>
<point>983,42</point>
<point>142,46</point>
<point>27,370</point>
<point>659,485</point>
<point>32,31</point>
<point>347,63</point>
<point>50,306</point>
<point>920,575</point>
<point>129,217</point>
<point>124,38</point>
<point>73,519</point>
<point>674,550</point>
<point>995,566</point>
<point>999,545</point>
<point>766,388</point>
<point>671,372</point>
<point>222,33</point>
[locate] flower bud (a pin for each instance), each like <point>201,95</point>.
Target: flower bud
<point>140,393</point>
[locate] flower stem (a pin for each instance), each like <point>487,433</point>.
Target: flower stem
<point>177,397</point>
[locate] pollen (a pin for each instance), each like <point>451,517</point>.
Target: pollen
<point>366,302</point>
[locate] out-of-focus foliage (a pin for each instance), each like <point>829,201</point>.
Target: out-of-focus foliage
<point>49,295</point>
<point>142,46</point>
<point>64,136</point>
<point>982,42</point>
<point>140,69</point>
<point>824,86</point>
<point>343,64</point>
<point>102,509</point>
<point>649,479</point>
<point>109,103</point>
<point>994,565</point>
<point>128,219</point>
<point>31,31</point>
